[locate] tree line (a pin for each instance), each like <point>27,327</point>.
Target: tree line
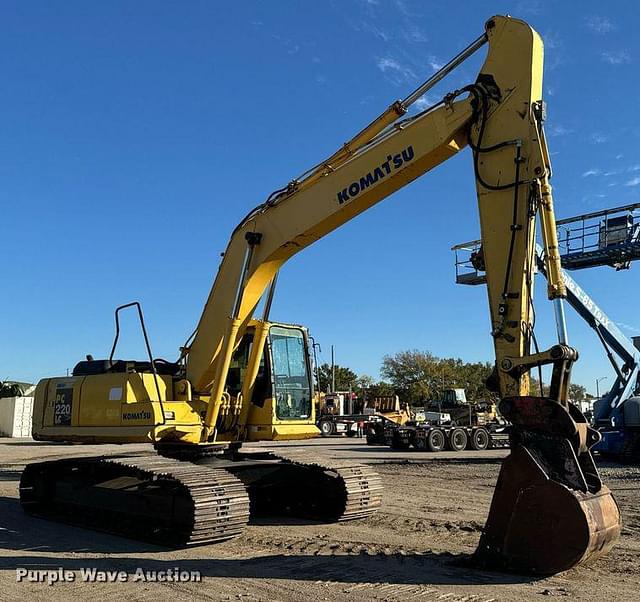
<point>417,376</point>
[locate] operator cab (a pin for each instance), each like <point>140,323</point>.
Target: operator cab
<point>282,397</point>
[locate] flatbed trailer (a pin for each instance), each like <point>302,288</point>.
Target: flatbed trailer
<point>349,424</point>
<point>432,437</point>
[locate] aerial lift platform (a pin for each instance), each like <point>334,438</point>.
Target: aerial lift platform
<point>610,237</point>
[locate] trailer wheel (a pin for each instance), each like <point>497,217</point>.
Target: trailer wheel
<point>326,428</point>
<point>458,439</point>
<point>436,440</point>
<point>480,439</point>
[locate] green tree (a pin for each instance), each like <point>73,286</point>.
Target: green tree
<point>374,389</point>
<point>420,376</point>
<point>414,374</point>
<point>364,381</point>
<point>534,387</point>
<point>345,378</point>
<point>577,393</point>
<point>473,378</point>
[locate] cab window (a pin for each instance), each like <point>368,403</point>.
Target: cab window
<point>290,368</point>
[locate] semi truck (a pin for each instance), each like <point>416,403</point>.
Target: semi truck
<point>337,416</point>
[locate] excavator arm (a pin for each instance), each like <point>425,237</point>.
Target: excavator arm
<point>550,509</point>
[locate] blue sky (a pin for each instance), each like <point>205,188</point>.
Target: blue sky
<point>135,135</point>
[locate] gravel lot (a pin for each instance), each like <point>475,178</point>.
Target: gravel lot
<point>433,509</point>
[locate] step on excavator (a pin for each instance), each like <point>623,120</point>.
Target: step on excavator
<point>244,379</point>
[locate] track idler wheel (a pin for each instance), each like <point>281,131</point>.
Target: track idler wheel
<point>550,511</point>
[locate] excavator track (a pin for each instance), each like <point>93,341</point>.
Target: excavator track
<point>294,483</point>
<point>326,491</point>
<point>196,499</point>
<point>149,498</point>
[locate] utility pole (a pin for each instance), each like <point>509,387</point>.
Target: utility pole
<point>598,385</point>
<point>333,372</point>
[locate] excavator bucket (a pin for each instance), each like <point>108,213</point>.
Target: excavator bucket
<point>550,511</point>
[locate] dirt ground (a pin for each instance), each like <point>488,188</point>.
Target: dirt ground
<point>433,509</point>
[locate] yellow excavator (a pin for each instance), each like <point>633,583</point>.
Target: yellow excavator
<point>241,378</point>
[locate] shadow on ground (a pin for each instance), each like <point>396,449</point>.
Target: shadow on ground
<point>21,532</point>
<point>38,543</point>
<point>423,569</point>
<point>30,443</point>
<point>416,459</point>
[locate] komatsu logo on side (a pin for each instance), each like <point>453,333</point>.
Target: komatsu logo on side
<point>393,163</point>
<point>142,415</point>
